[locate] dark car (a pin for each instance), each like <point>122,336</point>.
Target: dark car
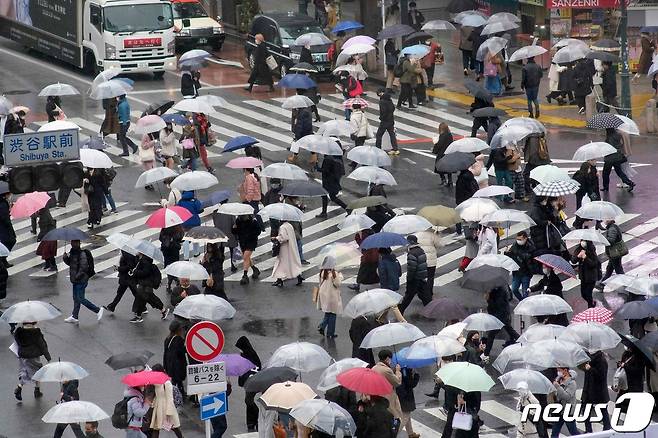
<point>280,31</point>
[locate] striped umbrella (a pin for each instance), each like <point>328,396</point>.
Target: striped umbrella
<point>349,103</point>
<point>604,121</point>
<point>557,188</point>
<point>557,263</point>
<point>593,314</point>
<point>168,217</point>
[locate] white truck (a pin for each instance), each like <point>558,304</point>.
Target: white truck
<point>135,36</point>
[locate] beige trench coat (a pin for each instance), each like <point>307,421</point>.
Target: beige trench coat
<point>395,380</point>
<point>329,299</point>
<point>163,407</point>
<point>288,263</point>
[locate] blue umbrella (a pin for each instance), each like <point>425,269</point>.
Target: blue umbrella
<point>344,26</point>
<point>217,198</point>
<point>94,143</point>
<point>429,359</point>
<point>176,119</point>
<point>419,50</point>
<point>296,80</point>
<point>239,142</point>
<point>557,263</point>
<point>383,240</point>
<point>649,29</point>
<point>66,233</point>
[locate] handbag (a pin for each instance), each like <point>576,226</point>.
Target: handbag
<point>315,292</point>
<point>462,420</point>
<point>490,69</point>
<point>212,138</point>
<point>617,250</point>
<point>271,62</point>
<point>187,143</point>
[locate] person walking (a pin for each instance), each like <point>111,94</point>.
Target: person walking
<point>81,268</point>
<point>494,66</point>
<point>110,123</point>
<point>47,249</point>
<point>465,187</point>
<point>535,153</point>
<point>595,387</point>
<point>54,109</point>
<point>147,153</point>
<point>608,88</point>
<point>127,263</point>
<point>333,170</point>
<point>648,49</point>
<point>213,261</point>
<point>522,252</point>
<point>554,77</point>
<point>189,84</point>
<point>168,145</point>
<point>530,82</point>
<point>328,297</point>
<point>551,284</point>
<point>429,61</point>
<point>584,83</point>
<point>389,270</point>
<point>394,376</point>
<point>466,47</point>
<point>108,178</point>
<point>147,277</point>
<point>31,346</point>
<point>416,275</point>
<point>479,122</point>
<point>171,240</point>
<point>248,352</point>
<point>565,386</point>
<point>138,406</point>
<point>247,230</point>
<point>189,141</point>
<point>615,160</point>
<point>408,81</point>
<point>525,429</point>
<point>405,393</point>
<point>359,125</point>
<point>498,306</point>
<point>386,121</point>
<point>391,58</point>
<point>288,263</point>
<point>195,207</point>
<point>174,357</point>
<point>69,392</point>
<point>589,269</point>
<point>500,159</point>
<point>260,72</point>
<point>7,233</point>
<point>430,243</point>
<point>615,251</point>
<point>165,414</point>
<point>94,188</point>
<point>123,110</point>
<point>442,142</point>
<point>224,223</point>
<point>587,177</point>
<point>202,126</point>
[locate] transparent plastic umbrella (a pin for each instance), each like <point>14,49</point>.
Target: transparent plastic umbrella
<point>373,175</point>
<point>155,175</point>
<point>527,52</point>
<point>327,379</point>
<point>440,345</point>
<point>407,224</point>
<point>593,151</point>
<point>491,191</point>
<point>371,302</point>
<point>204,307</point>
<point>452,331</point>
<point>542,304</point>
<point>120,240</point>
<point>356,222</point>
<point>335,128</point>
<point>570,53</point>
<point>592,336</point>
<point>318,144</point>
<point>30,311</point>
<point>105,76</point>
<point>494,260</point>
<point>74,412</point>
<point>467,144</point>
<point>540,332</point>
<point>390,334</point>
<point>548,173</point>
<point>512,358</point>
<point>647,286</point>
<point>147,248</point>
<point>509,135</point>
<point>194,54</point>
<point>629,126</point>
<point>95,159</point>
<point>58,125</point>
<point>297,101</point>
<point>438,25</point>
<point>300,356</point>
<point>149,124</point>
<point>599,210</point>
<point>569,42</point>
<point>369,156</point>
<point>588,234</point>
<point>58,89</point>
<point>187,269</point>
<point>533,125</point>
<point>282,212</point>
<point>483,322</point>
<point>284,171</point>
<point>498,26</point>
<point>471,20</point>
<point>359,39</point>
<point>235,209</point>
<point>554,353</point>
<point>465,376</point>
<point>213,100</point>
<point>109,89</point>
<point>344,254</point>
<point>60,372</point>
<point>194,180</point>
<point>194,106</point>
<point>324,416</point>
<point>474,209</point>
<point>312,39</point>
<point>536,381</point>
<point>491,46</point>
<point>503,16</point>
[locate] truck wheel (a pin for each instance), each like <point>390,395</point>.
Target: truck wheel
<point>217,46</point>
<point>158,75</point>
<point>90,66</point>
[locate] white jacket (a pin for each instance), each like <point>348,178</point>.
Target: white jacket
<point>359,124</point>
<point>168,143</point>
<point>488,242</point>
<point>430,242</point>
<point>147,149</point>
<point>554,77</point>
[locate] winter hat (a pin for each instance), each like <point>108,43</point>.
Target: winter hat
<point>329,262</point>
<point>412,239</point>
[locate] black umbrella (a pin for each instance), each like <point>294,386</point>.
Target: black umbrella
<point>66,233</point>
<point>129,359</point>
<point>488,112</point>
<point>456,6</point>
<point>160,107</point>
<point>395,31</point>
<point>606,44</point>
<point>203,234</point>
<point>639,349</point>
<point>635,310</point>
<point>478,90</point>
<point>304,67</point>
<point>603,56</point>
<point>604,121</point>
<point>484,278</point>
<point>4,187</point>
<point>97,143</point>
<point>455,162</point>
<point>417,37</point>
<point>305,189</point>
<point>262,380</point>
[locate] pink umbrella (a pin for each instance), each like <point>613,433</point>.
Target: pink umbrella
<point>28,204</point>
<point>349,103</point>
<point>359,39</point>
<point>149,124</point>
<point>168,217</point>
<point>244,163</point>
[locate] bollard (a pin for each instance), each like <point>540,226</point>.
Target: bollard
<point>590,106</point>
<point>650,112</point>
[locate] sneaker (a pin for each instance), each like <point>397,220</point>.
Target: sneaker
<point>108,308</point>
<point>71,320</point>
<point>165,313</point>
<point>321,215</point>
<point>136,319</point>
<point>305,262</point>
<point>354,287</point>
<point>125,154</point>
<point>631,186</point>
<point>99,315</point>
<point>18,393</point>
<point>146,312</point>
<point>114,212</point>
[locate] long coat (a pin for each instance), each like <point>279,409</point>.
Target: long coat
<point>405,391</point>
<point>393,400</point>
<point>7,233</point>
<point>648,49</point>
<point>329,299</point>
<point>288,264</point>
<point>110,123</point>
<point>261,73</point>
<point>595,388</point>
<point>174,359</point>
<point>332,171</point>
<point>359,328</point>
<point>163,407</point>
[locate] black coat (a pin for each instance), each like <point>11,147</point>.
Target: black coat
<point>550,284</point>
<point>583,79</point>
<point>498,304</point>
<point>588,268</point>
<point>343,397</point>
<point>405,390</point>
<point>522,255</point>
<point>303,123</point>
<point>635,369</point>
<point>609,84</point>
<point>359,328</point>
<point>7,233</point>
<point>465,186</point>
<point>46,223</point>
<point>332,171</point>
<point>176,297</point>
<point>51,110</point>
<point>542,215</point>
<point>375,421</point>
<point>215,267</point>
<point>31,343</point>
<point>445,139</point>
<point>174,359</point>
<point>595,387</point>
<point>306,56</point>
<point>261,72</point>
<point>248,352</point>
<point>386,110</point>
<point>531,75</point>
<point>142,274</point>
<point>171,240</point>
<point>70,391</point>
<point>189,85</point>
<point>492,128</point>
<point>589,183</point>
<point>127,262</point>
<point>615,139</point>
<point>567,81</point>
<point>78,262</point>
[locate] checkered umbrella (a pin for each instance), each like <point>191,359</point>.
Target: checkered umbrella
<point>349,103</point>
<point>557,263</point>
<point>557,188</point>
<point>604,121</point>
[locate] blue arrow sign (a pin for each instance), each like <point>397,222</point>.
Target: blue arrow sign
<point>213,405</point>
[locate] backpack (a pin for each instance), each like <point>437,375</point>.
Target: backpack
<point>398,70</point>
<point>90,263</point>
<point>178,397</point>
<point>490,69</point>
<point>355,91</point>
<point>119,416</point>
<point>156,277</point>
<point>542,151</point>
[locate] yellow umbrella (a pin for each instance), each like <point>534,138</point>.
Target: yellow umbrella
<point>286,395</point>
<point>440,215</point>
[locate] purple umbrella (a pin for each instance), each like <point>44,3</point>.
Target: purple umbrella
<point>236,365</point>
<point>444,308</point>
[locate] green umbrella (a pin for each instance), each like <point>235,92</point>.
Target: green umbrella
<point>465,376</point>
<point>367,201</point>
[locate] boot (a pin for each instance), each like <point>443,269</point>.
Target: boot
<point>278,283</point>
<point>37,392</point>
<point>549,98</point>
<point>255,272</point>
<point>537,114</point>
<point>244,280</point>
<point>435,392</point>
<point>300,280</point>
<point>18,393</point>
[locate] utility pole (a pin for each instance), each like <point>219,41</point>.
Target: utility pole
<point>625,73</point>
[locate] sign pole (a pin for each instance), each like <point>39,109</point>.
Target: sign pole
<point>208,429</point>
<point>626,103</point>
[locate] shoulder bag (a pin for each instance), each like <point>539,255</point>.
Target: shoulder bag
<point>462,420</point>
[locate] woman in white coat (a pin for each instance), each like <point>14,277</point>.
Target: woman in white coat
<point>288,264</point>
<point>360,126</point>
<point>165,414</point>
<point>554,83</point>
<point>328,298</point>
<point>168,143</point>
<point>147,154</point>
<point>488,241</point>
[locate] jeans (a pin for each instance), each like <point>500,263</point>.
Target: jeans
<point>524,282</point>
<point>504,178</point>
<point>557,427</point>
<point>607,169</point>
<point>191,163</point>
<point>479,67</point>
<point>391,132</point>
<point>109,199</point>
<point>348,113</point>
<point>195,250</point>
<point>144,296</point>
<point>133,433</point>
<point>219,426</point>
<point>329,322</point>
<point>63,196</point>
<point>79,299</point>
<point>406,94</point>
<point>513,336</point>
<point>467,59</point>
<point>531,95</point>
<point>299,248</point>
<point>430,74</point>
<point>75,427</point>
<point>123,138</point>
<point>605,421</point>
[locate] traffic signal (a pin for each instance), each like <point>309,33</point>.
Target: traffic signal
<point>72,175</point>
<point>20,180</point>
<point>45,177</point>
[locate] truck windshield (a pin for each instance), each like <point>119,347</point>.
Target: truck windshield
<point>188,10</point>
<point>135,18</point>
<point>290,33</point>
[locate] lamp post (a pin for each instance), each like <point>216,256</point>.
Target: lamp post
<point>625,73</point>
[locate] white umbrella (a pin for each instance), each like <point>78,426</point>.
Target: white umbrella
<point>491,191</point>
<point>533,125</point>
<point>540,332</point>
<point>312,39</point>
<point>282,212</point>
<point>483,322</point>
<point>391,334</point>
<point>105,76</point>
<point>74,412</point>
<point>120,240</point>
<point>371,302</point>
<point>474,209</point>
<point>58,90</point>
<point>344,254</point>
<point>357,49</point>
<point>569,42</point>
<point>618,281</point>
<point>149,124</point>
<point>570,53</point>
<point>592,336</point>
<point>355,70</point>
<point>512,357</point>
<point>527,52</point>
<point>629,126</point>
<point>155,175</point>
<point>494,260</point>
<point>536,381</point>
<point>587,234</point>
<point>509,135</point>
<point>297,101</point>
<point>147,248</point>
<point>498,26</point>
<point>407,224</point>
<point>548,173</point>
<point>194,54</point>
<point>359,39</point>
<point>212,100</point>
<point>470,19</point>
<point>204,307</point>
<point>593,151</point>
<point>369,156</point>
<point>95,159</point>
<point>300,356</point>
<point>373,175</point>
<point>504,16</point>
<point>284,171</point>
<point>194,106</point>
<point>647,286</point>
<point>195,180</point>
<point>58,125</point>
<point>492,45</point>
<point>505,218</point>
<point>438,25</point>
<point>318,144</point>
<point>554,353</point>
<point>186,269</point>
<point>335,128</point>
<point>439,345</point>
<point>235,209</point>
<point>324,416</point>
<point>452,331</point>
<point>542,304</point>
<point>356,222</point>
<point>110,89</point>
<point>327,379</point>
<point>60,372</point>
<point>467,144</point>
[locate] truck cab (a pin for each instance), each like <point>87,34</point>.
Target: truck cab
<point>194,27</point>
<point>135,36</point>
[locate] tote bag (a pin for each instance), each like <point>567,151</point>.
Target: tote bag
<point>462,420</point>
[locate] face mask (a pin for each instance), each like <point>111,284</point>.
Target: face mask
<point>520,242</point>
<point>546,271</point>
<point>583,244</point>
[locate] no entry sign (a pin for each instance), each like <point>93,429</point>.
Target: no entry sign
<point>204,341</point>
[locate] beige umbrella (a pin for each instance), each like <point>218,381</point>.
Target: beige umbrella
<point>286,395</point>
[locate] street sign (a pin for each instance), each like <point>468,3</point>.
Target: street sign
<point>205,378</point>
<point>204,341</point>
<point>213,405</point>
<point>40,147</point>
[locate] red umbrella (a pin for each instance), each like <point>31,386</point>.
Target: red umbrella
<point>168,217</point>
<point>144,378</point>
<point>365,381</point>
<point>595,314</point>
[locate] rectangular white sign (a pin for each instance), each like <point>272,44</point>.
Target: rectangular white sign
<point>34,148</point>
<point>206,378</point>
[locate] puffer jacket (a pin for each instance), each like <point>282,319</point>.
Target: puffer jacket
<point>430,242</point>
<point>613,235</point>
<point>194,206</point>
<point>522,255</point>
<point>566,391</point>
<point>78,265</point>
<point>389,271</point>
<point>31,343</point>
<point>137,407</point>
<point>416,263</point>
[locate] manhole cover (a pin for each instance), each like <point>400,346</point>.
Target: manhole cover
<point>16,92</point>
